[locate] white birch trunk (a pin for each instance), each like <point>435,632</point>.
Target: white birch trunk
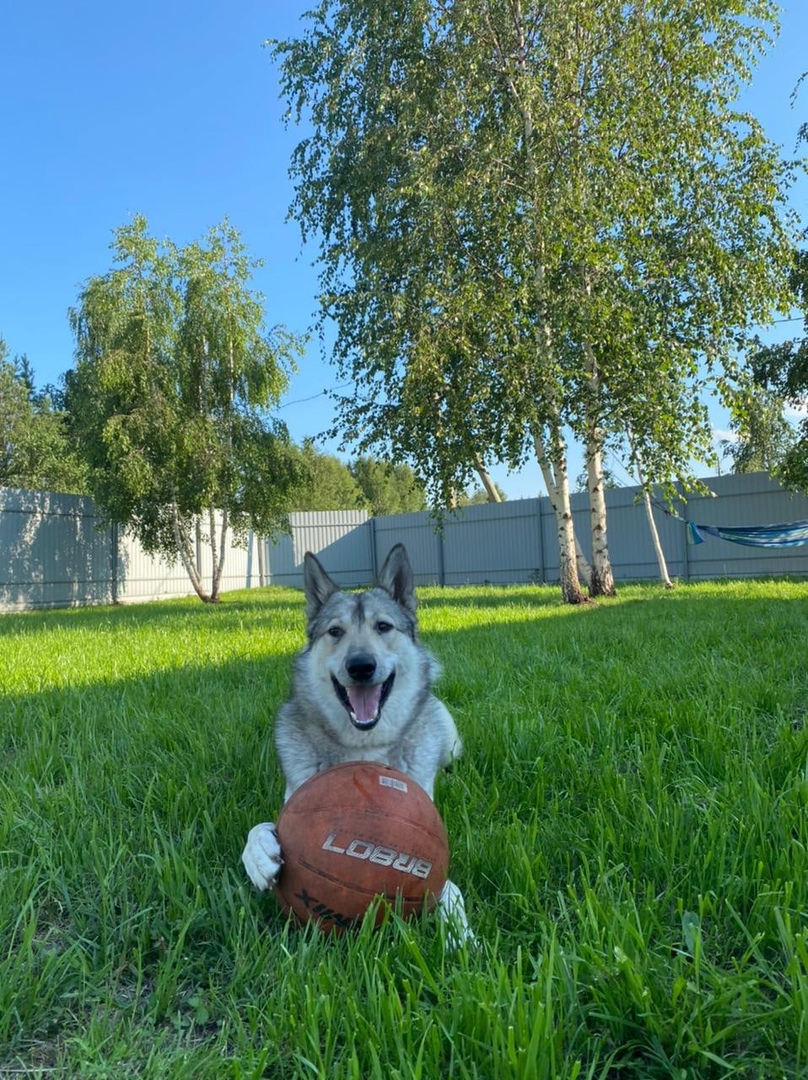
<point>186,554</point>
<point>602,580</point>
<point>660,554</point>
<point>649,513</point>
<point>558,489</point>
<point>487,482</point>
<point>218,564</point>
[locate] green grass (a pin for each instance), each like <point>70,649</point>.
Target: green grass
<point>629,825</point>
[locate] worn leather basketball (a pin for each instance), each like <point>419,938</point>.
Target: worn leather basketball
<point>355,832</point>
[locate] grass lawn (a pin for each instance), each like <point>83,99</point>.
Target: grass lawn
<point>629,825</point>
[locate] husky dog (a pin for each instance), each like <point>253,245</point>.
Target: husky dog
<point>361,692</point>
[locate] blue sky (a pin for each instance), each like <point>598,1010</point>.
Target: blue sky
<point>172,110</point>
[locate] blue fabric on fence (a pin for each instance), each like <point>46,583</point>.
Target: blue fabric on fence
<point>789,535</point>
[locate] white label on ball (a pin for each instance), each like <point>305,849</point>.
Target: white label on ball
<point>391,781</point>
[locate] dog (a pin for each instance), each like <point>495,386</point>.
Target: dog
<point>361,691</point>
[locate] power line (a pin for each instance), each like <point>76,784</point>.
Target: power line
<point>321,393</point>
<point>341,386</point>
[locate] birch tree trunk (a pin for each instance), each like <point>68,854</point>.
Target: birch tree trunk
<point>186,554</point>
<point>218,563</point>
<point>660,554</point>
<point>487,482</point>
<point>649,513</point>
<point>602,579</point>
<point>558,489</point>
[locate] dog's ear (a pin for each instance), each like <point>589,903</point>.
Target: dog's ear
<point>317,584</point>
<point>396,578</point>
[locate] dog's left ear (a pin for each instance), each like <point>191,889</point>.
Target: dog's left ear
<point>396,578</point>
<point>317,584</point>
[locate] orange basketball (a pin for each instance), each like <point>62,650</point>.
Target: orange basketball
<point>355,832</point>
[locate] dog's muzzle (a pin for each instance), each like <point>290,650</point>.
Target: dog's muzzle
<point>363,700</point>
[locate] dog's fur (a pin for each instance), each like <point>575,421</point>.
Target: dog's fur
<point>361,691</point>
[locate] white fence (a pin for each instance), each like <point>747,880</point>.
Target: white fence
<point>52,553</point>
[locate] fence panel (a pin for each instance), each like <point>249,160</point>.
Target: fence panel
<point>52,553</point>
<point>494,543</point>
<point>758,500</point>
<point>342,539</point>
<point>629,535</point>
<point>515,542</point>
<point>416,531</point>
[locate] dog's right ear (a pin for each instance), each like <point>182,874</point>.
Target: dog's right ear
<point>317,584</point>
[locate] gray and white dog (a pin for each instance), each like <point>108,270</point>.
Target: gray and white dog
<point>361,691</point>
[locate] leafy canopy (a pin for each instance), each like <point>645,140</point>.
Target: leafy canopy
<point>535,216</point>
<point>34,448</point>
<point>173,386</point>
<point>783,370</point>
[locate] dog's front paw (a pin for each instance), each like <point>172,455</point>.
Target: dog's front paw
<point>452,909</point>
<point>262,855</point>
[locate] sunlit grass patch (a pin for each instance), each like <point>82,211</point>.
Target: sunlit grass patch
<point>628,824</point>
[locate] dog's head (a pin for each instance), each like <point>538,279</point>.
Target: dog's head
<point>362,642</point>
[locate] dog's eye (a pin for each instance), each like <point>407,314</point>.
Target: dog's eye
<point>335,632</point>
<point>384,627</point>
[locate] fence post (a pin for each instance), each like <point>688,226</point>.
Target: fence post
<point>113,543</point>
<point>199,546</point>
<point>261,551</point>
<point>539,514</point>
<point>374,558</point>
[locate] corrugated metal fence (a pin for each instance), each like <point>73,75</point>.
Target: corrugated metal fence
<point>52,553</point>
<point>515,542</point>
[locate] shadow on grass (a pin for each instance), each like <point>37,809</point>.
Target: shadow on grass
<point>255,605</point>
<point>124,803</point>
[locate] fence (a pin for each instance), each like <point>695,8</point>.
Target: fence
<point>53,554</point>
<point>515,542</point>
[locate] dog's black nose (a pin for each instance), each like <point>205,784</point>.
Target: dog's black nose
<point>361,667</point>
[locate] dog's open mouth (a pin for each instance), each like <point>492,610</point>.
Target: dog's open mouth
<point>364,703</point>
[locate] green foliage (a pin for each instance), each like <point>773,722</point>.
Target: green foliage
<point>764,436</point>
<point>478,496</point>
<point>628,824</point>
<point>387,488</point>
<point>526,223</point>
<point>34,448</point>
<point>610,481</point>
<point>329,484</point>
<point>783,369</point>
<point>171,394</point>
<point>364,484</point>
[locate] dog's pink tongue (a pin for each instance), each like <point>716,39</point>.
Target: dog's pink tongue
<point>364,701</point>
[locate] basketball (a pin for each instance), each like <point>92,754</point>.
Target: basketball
<point>355,832</point>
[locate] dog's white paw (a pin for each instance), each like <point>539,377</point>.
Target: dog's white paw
<point>262,855</point>
<point>452,910</point>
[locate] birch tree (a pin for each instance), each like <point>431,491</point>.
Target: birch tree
<point>531,216</point>
<point>171,393</point>
<point>782,373</point>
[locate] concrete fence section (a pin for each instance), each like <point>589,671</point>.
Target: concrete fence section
<point>53,554</point>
